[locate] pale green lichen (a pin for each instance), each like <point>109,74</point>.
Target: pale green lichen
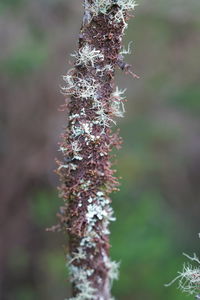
<point>113,268</point>
<point>80,87</point>
<point>128,51</point>
<point>103,119</point>
<point>117,105</point>
<point>126,4</point>
<point>76,149</point>
<point>99,7</point>
<point>79,276</point>
<point>71,166</point>
<point>76,256</point>
<point>102,6</point>
<point>106,68</point>
<point>98,209</point>
<point>87,56</point>
<point>189,277</point>
<point>118,93</point>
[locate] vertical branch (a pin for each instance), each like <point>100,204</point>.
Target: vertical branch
<point>85,173</point>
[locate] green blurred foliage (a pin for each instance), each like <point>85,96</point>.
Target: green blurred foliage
<point>24,60</point>
<point>25,293</point>
<point>188,99</point>
<point>148,237</point>
<point>142,240</point>
<point>11,4</point>
<point>43,208</point>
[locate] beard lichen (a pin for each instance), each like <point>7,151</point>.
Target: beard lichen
<point>189,278</point>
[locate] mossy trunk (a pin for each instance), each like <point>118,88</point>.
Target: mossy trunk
<point>85,172</point>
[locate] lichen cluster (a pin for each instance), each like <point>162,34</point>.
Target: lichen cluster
<point>97,7</point>
<point>85,171</point>
<point>189,278</point>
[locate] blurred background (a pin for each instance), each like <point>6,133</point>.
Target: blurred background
<point>158,206</point>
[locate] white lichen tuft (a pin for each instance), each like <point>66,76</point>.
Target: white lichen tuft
<point>87,88</point>
<point>126,4</point>
<point>76,256</point>
<point>106,68</point>
<point>99,209</point>
<point>128,51</point>
<point>76,149</point>
<point>87,55</point>
<point>79,276</point>
<point>71,166</point>
<point>77,130</point>
<point>113,268</point>
<point>103,6</point>
<point>77,87</point>
<point>99,7</point>
<point>118,108</point>
<point>117,105</point>
<point>113,272</point>
<point>88,240</point>
<point>86,128</point>
<point>103,119</point>
<point>118,93</point>
<point>189,277</point>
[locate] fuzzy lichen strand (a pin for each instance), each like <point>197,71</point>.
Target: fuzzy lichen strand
<point>87,56</point>
<point>189,277</point>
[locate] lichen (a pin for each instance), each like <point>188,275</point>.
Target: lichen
<point>189,277</point>
<point>128,51</point>
<point>87,56</point>
<point>78,87</point>
<point>97,7</point>
<point>80,277</point>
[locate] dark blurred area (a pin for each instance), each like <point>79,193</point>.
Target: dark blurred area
<point>158,206</point>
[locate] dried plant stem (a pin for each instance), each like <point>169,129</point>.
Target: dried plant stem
<point>86,175</point>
